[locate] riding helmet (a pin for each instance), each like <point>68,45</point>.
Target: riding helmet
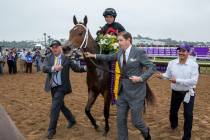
<point>111,12</point>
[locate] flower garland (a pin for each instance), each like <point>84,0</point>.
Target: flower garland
<point>117,80</point>
<point>108,45</point>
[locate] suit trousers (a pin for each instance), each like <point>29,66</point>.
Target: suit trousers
<point>136,107</point>
<point>57,106</point>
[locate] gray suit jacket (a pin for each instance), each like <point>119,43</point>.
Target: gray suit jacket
<point>134,67</point>
<point>67,63</point>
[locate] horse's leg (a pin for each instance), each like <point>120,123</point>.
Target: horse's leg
<point>91,100</point>
<point>107,100</point>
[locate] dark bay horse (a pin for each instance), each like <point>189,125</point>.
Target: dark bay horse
<point>98,80</point>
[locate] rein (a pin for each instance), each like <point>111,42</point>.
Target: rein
<point>85,41</point>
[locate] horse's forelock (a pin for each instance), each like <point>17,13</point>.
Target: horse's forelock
<point>79,24</point>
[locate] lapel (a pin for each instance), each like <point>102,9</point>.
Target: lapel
<point>63,59</point>
<point>118,58</point>
<point>52,58</point>
<point>131,54</point>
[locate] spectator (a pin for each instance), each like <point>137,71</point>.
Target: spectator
<point>47,51</point>
<point>29,61</point>
<point>23,61</point>
<point>1,61</point>
<point>37,59</point>
<point>10,62</point>
<point>14,53</point>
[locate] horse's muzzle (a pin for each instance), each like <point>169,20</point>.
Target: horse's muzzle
<point>67,47</point>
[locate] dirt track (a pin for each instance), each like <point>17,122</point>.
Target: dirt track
<point>24,99</point>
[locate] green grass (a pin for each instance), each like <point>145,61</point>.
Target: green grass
<point>204,64</point>
<point>205,70</point>
<point>169,59</point>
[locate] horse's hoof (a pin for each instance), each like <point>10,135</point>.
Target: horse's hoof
<point>105,134</point>
<point>96,126</point>
<point>98,129</point>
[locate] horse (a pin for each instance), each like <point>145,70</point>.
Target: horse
<point>98,75</point>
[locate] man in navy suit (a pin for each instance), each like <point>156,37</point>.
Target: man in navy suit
<point>57,66</point>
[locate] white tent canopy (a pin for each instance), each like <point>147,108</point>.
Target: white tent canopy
<point>39,46</point>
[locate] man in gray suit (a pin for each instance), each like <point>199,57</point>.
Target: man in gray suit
<point>132,85</point>
<point>57,66</point>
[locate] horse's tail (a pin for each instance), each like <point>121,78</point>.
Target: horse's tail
<point>150,97</point>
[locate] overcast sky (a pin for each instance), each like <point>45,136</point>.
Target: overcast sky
<point>178,19</point>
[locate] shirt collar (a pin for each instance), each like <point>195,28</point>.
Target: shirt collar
<point>186,63</point>
<point>59,55</point>
<point>127,51</point>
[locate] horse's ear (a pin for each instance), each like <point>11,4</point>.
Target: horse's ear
<point>85,20</point>
<point>75,20</point>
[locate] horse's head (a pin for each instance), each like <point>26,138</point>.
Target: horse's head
<point>78,36</point>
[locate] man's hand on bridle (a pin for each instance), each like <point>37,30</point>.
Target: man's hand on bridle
<point>90,55</point>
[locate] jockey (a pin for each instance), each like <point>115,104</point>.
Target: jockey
<point>111,27</point>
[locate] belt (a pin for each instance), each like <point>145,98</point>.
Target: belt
<point>182,91</point>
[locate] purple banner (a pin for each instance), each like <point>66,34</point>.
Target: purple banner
<point>150,50</point>
<point>202,51</point>
<point>172,51</point>
<point>155,51</point>
<point>161,51</point>
<point>167,51</point>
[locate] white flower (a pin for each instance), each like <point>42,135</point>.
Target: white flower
<point>116,45</point>
<point>108,35</point>
<point>102,41</point>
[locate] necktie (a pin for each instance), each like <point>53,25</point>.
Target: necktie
<point>124,58</point>
<point>56,61</point>
<point>56,78</point>
<point>124,65</point>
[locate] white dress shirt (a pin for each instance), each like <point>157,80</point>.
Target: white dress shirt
<point>23,56</point>
<point>127,52</point>
<point>186,74</point>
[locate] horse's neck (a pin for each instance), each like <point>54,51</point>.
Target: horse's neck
<point>92,47</point>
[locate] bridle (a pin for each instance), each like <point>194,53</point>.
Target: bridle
<point>84,46</point>
<point>85,40</point>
